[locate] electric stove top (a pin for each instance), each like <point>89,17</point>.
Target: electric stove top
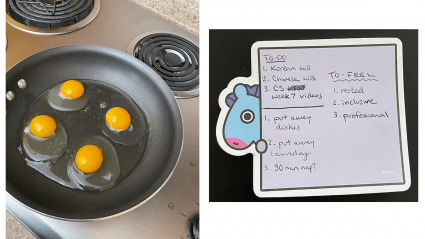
<point>174,211</point>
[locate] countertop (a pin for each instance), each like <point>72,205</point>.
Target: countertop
<point>14,229</point>
<point>183,13</point>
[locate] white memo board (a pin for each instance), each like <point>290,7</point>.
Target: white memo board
<point>321,117</point>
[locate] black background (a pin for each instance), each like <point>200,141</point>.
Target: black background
<point>231,177</point>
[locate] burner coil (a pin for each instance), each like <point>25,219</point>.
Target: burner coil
<point>47,14</point>
<point>174,58</point>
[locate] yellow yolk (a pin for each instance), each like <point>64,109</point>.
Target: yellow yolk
<point>89,158</point>
<point>72,89</point>
<point>118,118</point>
<point>42,126</point>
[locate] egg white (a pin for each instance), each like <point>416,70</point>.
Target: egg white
<point>133,134</point>
<point>45,149</point>
<point>103,178</point>
<point>60,102</point>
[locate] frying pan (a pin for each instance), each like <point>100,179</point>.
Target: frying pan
<point>47,68</point>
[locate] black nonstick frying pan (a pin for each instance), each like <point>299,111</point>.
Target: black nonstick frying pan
<point>45,69</point>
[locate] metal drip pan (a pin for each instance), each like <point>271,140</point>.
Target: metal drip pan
<point>53,31</point>
<point>181,75</point>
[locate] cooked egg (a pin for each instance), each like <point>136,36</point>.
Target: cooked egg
<point>44,139</point>
<point>72,89</point>
<point>120,128</point>
<point>42,126</point>
<point>55,156</point>
<point>118,118</point>
<point>89,158</point>
<point>68,96</point>
<point>96,165</point>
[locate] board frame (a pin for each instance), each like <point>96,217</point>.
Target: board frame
<point>319,191</point>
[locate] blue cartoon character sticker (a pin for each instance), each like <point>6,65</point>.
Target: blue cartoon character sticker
<point>239,132</point>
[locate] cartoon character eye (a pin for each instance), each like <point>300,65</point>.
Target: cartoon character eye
<point>247,116</point>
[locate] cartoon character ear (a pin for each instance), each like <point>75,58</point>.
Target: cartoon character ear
<point>261,146</point>
<point>240,91</point>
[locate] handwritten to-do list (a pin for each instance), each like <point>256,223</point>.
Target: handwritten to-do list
<point>329,116</point>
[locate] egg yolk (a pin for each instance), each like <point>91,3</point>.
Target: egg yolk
<point>42,126</point>
<point>118,118</point>
<point>89,158</point>
<point>72,89</point>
